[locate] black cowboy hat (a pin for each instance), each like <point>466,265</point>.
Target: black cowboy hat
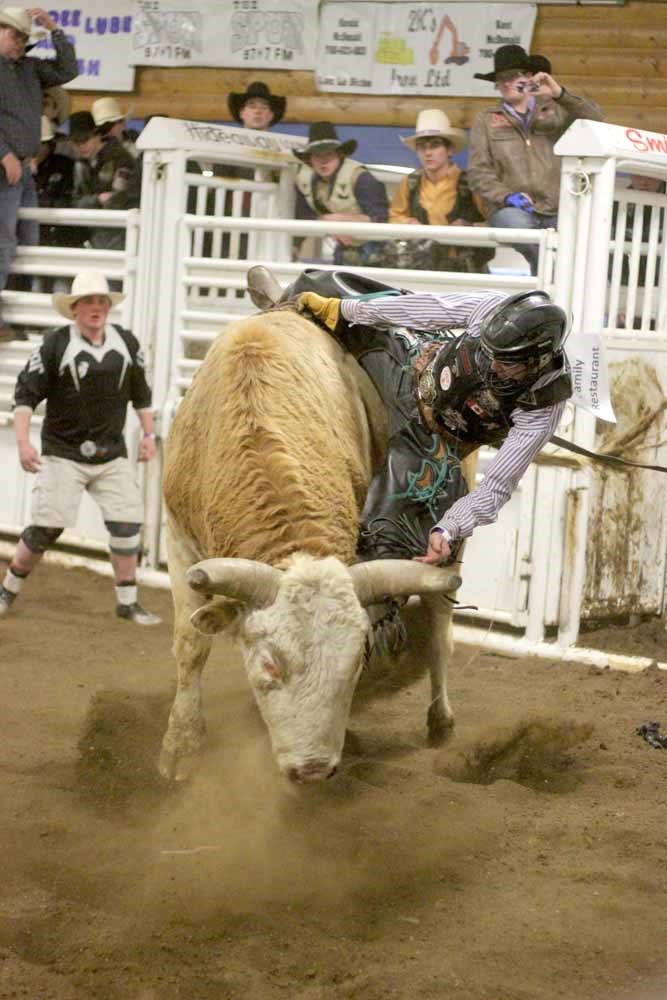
<point>236,100</point>
<point>322,138</point>
<point>540,64</point>
<point>81,126</point>
<point>514,57</point>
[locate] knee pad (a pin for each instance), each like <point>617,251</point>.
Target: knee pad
<point>124,537</point>
<point>38,539</point>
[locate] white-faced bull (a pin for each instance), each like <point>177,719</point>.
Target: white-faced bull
<point>267,467</point>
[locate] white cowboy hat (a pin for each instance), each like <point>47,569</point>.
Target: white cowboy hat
<point>86,283</point>
<point>106,109</point>
<point>17,17</point>
<point>434,124</point>
<point>46,133</point>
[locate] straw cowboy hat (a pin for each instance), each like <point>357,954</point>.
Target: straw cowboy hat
<point>106,109</point>
<point>46,130</point>
<point>513,57</point>
<point>17,17</point>
<point>322,138</point>
<point>85,283</point>
<point>257,89</point>
<point>433,124</point>
<point>56,102</point>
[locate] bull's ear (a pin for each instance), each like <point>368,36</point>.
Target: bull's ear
<point>215,616</point>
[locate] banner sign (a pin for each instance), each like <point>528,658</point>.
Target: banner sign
<point>102,42</point>
<point>415,48</point>
<point>590,377</point>
<point>227,142</point>
<point>253,34</point>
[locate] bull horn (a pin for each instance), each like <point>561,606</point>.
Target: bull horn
<point>400,578</point>
<point>253,583</point>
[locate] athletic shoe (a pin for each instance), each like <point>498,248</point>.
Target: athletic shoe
<point>135,613</point>
<point>6,600</point>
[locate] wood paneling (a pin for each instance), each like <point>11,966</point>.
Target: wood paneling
<point>616,55</point>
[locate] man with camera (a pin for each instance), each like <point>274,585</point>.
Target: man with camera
<point>513,167</point>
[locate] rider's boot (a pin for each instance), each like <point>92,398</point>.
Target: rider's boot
<point>264,288</point>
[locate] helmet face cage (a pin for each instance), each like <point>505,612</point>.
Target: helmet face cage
<point>526,329</point>
<point>505,385</point>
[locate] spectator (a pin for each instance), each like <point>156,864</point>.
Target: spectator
<point>256,107</point>
<point>438,195</point>
<point>105,165</point>
<point>56,107</point>
<point>513,167</point>
<point>87,371</point>
<point>333,188</point>
<point>103,173</point>
<point>54,180</point>
<point>110,120</point>
<point>22,79</point>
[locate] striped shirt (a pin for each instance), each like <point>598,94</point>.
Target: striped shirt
<point>530,430</point>
<point>21,84</point>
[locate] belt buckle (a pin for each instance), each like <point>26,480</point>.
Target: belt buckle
<point>426,386</point>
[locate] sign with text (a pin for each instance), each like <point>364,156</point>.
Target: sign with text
<point>102,41</point>
<point>255,34</point>
<point>413,48</point>
<point>225,142</point>
<point>590,377</point>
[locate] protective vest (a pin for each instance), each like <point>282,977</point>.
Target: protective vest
<point>469,409</point>
<point>340,198</point>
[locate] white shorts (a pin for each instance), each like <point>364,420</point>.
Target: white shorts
<point>61,482</point>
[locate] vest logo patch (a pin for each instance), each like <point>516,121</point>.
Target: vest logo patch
<point>476,408</point>
<point>498,120</point>
<point>445,378</point>
<point>82,369</point>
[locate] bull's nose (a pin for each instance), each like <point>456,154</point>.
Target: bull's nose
<point>313,771</point>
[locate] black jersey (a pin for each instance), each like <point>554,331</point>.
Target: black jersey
<point>87,388</point>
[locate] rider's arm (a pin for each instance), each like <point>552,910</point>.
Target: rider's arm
<point>423,311</point>
<point>531,429</point>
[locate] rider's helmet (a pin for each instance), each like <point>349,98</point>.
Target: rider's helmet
<point>526,329</point>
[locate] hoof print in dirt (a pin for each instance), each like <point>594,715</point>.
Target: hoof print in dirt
<point>536,754</point>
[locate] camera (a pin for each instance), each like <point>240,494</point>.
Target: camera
<point>531,86</point>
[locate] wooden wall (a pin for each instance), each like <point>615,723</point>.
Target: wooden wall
<point>616,55</point>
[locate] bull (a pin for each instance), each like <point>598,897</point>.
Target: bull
<point>267,467</point>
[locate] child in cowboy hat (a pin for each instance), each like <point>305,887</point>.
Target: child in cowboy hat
<point>513,167</point>
<point>256,107</point>
<point>333,188</point>
<point>110,120</point>
<point>87,371</point>
<point>437,194</point>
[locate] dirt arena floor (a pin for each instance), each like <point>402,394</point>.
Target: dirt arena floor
<point>523,861</point>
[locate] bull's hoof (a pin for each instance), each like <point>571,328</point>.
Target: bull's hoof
<point>440,726</point>
<point>177,767</point>
<point>179,758</point>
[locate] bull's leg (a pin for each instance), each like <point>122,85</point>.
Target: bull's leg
<point>185,733</point>
<point>440,718</point>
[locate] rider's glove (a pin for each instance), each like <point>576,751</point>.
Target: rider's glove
<point>519,200</point>
<point>327,311</point>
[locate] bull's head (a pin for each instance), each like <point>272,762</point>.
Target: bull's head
<point>303,632</point>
